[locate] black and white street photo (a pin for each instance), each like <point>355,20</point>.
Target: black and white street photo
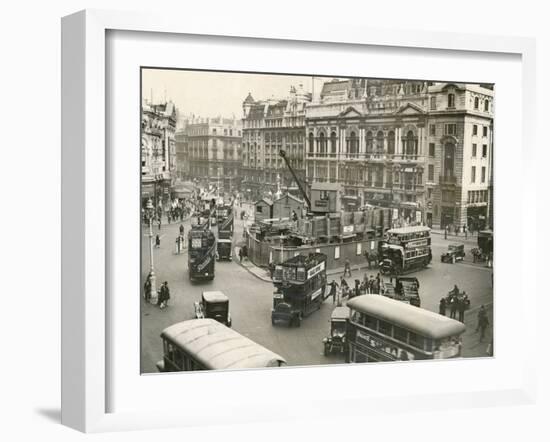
<point>306,220</point>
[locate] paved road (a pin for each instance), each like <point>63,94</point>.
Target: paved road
<point>251,299</point>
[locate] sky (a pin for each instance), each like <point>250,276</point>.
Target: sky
<point>211,94</point>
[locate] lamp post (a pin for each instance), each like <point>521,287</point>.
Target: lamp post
<point>150,215</point>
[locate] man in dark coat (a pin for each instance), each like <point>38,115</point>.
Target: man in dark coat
<point>454,302</point>
<point>164,295</point>
<point>443,307</point>
<point>461,306</point>
<point>333,290</point>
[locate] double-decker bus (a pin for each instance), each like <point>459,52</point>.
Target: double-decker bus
<point>301,283</point>
<point>405,249</point>
<point>383,329</point>
<point>206,344</point>
<point>201,257</point>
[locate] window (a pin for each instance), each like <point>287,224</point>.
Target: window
<point>474,150</point>
<point>432,129</point>
<point>450,129</point>
<point>400,334</point>
<point>333,142</point>
<point>430,172</point>
<point>475,130</point>
<point>484,152</point>
<point>486,105</point>
<point>431,150</point>
<point>451,100</point>
<point>391,143</point>
<point>483,174</point>
<point>369,141</point>
<point>385,328</point>
<point>476,103</point>
<point>484,131</point>
<point>432,103</point>
<point>311,147</point>
<point>473,174</point>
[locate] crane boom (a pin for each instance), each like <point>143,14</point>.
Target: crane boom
<point>302,190</point>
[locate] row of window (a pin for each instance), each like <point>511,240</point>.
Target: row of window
<point>478,196</point>
<point>483,151</point>
<point>451,103</point>
<point>392,331</point>
<point>483,174</point>
<point>485,130</point>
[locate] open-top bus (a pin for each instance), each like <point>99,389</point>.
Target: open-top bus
<point>405,249</point>
<point>206,344</point>
<point>301,289</point>
<point>383,329</point>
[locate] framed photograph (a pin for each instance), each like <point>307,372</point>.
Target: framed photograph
<point>248,215</point>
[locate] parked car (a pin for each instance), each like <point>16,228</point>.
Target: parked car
<point>454,253</point>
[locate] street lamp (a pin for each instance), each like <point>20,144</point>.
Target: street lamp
<point>150,211</point>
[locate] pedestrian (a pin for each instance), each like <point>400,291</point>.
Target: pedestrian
<point>445,232</point>
<point>465,229</point>
<point>482,322</point>
<point>347,267</point>
<point>160,222</point>
<point>240,254</point>
<point>454,302</point>
<point>157,241</point>
<point>169,216</point>
<point>371,285</point>
<point>147,288</point>
<point>442,307</point>
<point>164,295</point>
<point>333,290</point>
<point>182,229</point>
<point>461,306</point>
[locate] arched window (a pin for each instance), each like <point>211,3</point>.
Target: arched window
<point>352,143</point>
<point>486,105</point>
<point>476,103</point>
<point>380,141</point>
<point>311,146</point>
<point>391,142</point>
<point>410,143</point>
<point>333,142</point>
<point>449,160</point>
<point>369,141</point>
<point>451,100</point>
<point>322,144</point>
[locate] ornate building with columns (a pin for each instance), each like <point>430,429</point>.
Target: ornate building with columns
<point>269,126</point>
<point>402,144</point>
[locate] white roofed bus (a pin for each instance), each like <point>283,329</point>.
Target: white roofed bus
<point>383,329</point>
<point>206,344</point>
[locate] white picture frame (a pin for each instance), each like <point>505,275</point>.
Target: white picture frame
<point>86,317</point>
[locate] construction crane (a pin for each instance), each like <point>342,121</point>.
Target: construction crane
<point>302,190</point>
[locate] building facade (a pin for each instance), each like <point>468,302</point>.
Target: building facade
<point>214,148</point>
<point>158,151</point>
<point>268,127</point>
<point>182,153</point>
<point>402,144</point>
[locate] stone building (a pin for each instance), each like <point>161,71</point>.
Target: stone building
<point>158,151</point>
<point>182,152</point>
<point>268,127</point>
<point>214,151</point>
<point>401,144</point>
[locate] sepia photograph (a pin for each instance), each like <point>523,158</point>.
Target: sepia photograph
<point>307,220</point>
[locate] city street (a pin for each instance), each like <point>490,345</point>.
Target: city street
<point>251,300</point>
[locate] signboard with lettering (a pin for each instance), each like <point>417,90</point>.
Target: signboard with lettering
<point>348,229</point>
<point>315,270</point>
<point>416,243</point>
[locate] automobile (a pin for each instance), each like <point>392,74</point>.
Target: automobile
<point>338,328</point>
<point>214,305</point>
<point>455,252</point>
<point>223,251</point>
